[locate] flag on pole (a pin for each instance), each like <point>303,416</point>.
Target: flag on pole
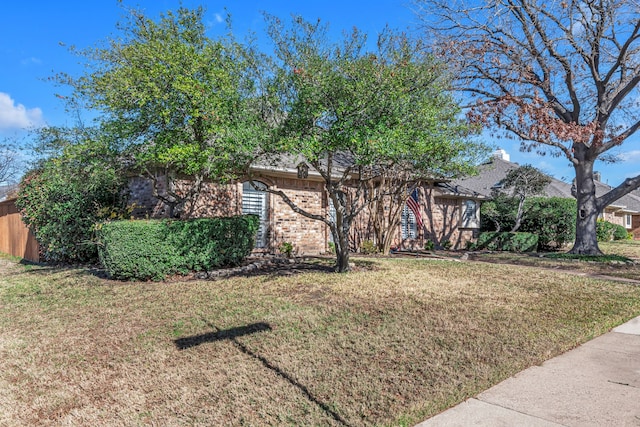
<point>412,203</point>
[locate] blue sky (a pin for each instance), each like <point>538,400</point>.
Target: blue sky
<point>35,36</point>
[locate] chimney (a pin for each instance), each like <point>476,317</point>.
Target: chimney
<point>597,176</point>
<point>501,154</point>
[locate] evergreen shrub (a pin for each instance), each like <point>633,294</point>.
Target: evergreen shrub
<point>154,249</point>
<point>507,241</point>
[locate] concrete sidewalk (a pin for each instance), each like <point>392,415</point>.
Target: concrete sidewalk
<point>596,384</point>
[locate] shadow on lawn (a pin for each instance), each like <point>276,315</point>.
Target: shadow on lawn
<point>227,334</point>
<point>232,334</point>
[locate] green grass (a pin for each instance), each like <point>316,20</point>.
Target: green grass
<point>593,258</point>
<point>393,343</point>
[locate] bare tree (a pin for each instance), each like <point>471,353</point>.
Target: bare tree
<point>9,164</point>
<point>560,75</point>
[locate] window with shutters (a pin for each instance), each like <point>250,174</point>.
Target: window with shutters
<point>255,201</point>
<point>408,223</point>
<point>470,217</point>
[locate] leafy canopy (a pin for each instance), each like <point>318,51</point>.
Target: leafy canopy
<point>380,107</point>
<point>172,96</point>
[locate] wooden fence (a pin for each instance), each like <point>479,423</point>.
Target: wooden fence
<point>15,238</point>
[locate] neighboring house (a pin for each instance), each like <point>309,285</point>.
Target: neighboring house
<point>446,213</point>
<point>625,211</point>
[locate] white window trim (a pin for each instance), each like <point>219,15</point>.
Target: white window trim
<point>408,224</point>
<point>469,220</point>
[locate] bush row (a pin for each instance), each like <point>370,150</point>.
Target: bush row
<point>508,241</point>
<point>553,219</point>
<point>154,249</point>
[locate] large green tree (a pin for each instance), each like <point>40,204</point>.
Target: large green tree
<point>562,76</point>
<point>179,102</point>
<point>356,115</point>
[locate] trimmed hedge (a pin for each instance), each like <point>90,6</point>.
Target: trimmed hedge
<point>553,219</point>
<point>508,241</point>
<point>154,249</point>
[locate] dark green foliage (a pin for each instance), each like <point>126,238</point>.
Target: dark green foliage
<point>61,204</point>
<point>551,218</point>
<point>498,213</point>
<point>508,241</point>
<point>607,231</point>
<point>136,250</point>
<point>154,249</point>
<point>209,243</point>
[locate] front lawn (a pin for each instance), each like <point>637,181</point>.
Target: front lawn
<point>622,259</point>
<point>393,343</point>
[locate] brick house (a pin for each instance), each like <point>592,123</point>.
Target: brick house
<point>447,212</point>
<point>625,211</point>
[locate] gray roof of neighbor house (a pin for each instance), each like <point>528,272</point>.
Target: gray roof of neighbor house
<point>491,174</point>
<point>629,202</point>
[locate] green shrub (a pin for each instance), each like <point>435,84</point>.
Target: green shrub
<point>607,231</point>
<point>507,241</point>
<point>429,245</point>
<point>137,250</point>
<point>61,205</point>
<point>620,233</point>
<point>332,248</point>
<point>367,247</point>
<point>154,249</point>
<point>553,219</point>
<point>286,249</point>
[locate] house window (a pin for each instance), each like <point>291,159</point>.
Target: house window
<point>470,214</point>
<point>255,201</point>
<point>628,220</point>
<point>408,223</point>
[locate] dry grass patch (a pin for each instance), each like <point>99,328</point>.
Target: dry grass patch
<point>390,345</point>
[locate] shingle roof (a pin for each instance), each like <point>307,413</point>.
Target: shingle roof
<point>490,175</point>
<point>495,170</point>
<point>629,202</point>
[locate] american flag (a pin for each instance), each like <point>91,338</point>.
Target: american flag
<point>412,203</point>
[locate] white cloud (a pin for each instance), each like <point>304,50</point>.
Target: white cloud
<point>17,116</point>
<point>219,18</point>
<point>632,156</point>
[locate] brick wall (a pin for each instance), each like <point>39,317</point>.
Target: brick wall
<point>307,236</point>
<point>612,217</point>
<point>441,215</point>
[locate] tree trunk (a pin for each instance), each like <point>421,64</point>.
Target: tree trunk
<point>340,231</point>
<point>586,242</point>
<point>341,241</point>
<point>519,215</point>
